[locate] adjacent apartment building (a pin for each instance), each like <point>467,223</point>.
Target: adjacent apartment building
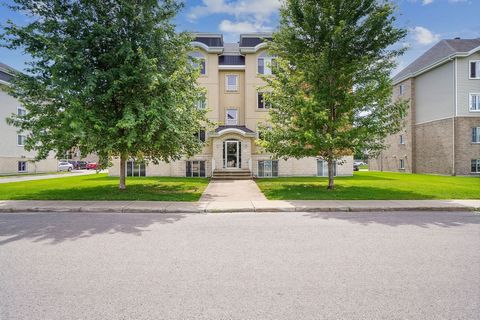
<point>442,128</point>
<point>13,157</point>
<point>232,75</point>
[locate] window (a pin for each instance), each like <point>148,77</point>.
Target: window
<point>268,168</point>
<point>22,166</point>
<point>21,112</point>
<point>231,82</point>
<point>195,168</point>
<point>476,135</point>
<point>322,168</point>
<point>475,69</point>
<point>21,140</point>
<point>475,165</point>
<point>401,89</point>
<point>402,164</point>
<point>402,139</point>
<point>136,169</point>
<point>232,117</point>
<point>201,103</point>
<point>261,102</point>
<point>198,61</point>
<point>264,63</point>
<point>200,135</point>
<point>475,102</point>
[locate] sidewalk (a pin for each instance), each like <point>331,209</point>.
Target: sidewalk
<point>239,206</point>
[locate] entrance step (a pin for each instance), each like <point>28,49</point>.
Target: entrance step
<point>239,174</point>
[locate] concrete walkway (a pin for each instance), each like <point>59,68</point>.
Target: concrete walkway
<point>232,190</point>
<point>239,206</point>
<point>20,178</point>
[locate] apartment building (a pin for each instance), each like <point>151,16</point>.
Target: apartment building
<point>442,128</point>
<point>232,75</point>
<point>13,157</point>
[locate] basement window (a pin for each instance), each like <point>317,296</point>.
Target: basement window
<point>195,168</point>
<point>267,168</point>
<point>136,169</point>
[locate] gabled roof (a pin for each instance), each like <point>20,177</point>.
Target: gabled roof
<point>438,54</point>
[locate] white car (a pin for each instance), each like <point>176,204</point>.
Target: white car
<point>359,163</point>
<point>65,166</point>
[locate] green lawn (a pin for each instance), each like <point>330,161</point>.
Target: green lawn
<point>101,187</point>
<point>16,175</point>
<point>372,185</point>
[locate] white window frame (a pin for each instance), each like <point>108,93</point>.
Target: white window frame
<point>21,111</point>
<point>200,56</point>
<point>266,106</point>
<point>230,122</point>
<point>25,169</point>
<point>269,174</point>
<point>324,164</point>
<point>401,165</point>
<point>23,140</point>
<point>231,88</point>
<point>401,89</point>
<point>476,135</point>
<point>470,95</point>
<point>201,104</point>
<point>477,66</point>
<point>267,63</point>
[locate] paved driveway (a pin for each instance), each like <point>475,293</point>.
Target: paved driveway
<point>232,190</point>
<point>240,266</point>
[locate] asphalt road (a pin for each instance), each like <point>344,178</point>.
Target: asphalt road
<point>240,266</point>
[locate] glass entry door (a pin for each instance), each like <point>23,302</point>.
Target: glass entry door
<point>231,154</point>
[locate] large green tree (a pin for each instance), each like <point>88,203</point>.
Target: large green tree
<point>331,93</point>
<point>110,77</point>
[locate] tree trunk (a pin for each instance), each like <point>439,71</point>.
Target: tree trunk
<point>330,174</point>
<point>123,161</point>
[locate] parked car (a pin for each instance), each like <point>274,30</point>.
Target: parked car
<point>91,165</point>
<point>358,163</point>
<point>356,167</point>
<point>65,166</point>
<point>81,165</point>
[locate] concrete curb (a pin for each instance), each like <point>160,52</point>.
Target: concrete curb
<point>238,206</point>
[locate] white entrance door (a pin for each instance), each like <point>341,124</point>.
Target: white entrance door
<point>231,156</point>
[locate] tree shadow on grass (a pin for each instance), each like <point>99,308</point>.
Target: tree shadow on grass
<point>320,192</point>
<point>147,191</point>
<point>444,219</point>
<point>55,228</point>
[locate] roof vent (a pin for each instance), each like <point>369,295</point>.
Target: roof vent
<point>457,38</point>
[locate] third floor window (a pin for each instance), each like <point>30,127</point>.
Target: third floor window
<point>198,61</point>
<point>475,69</point>
<point>231,82</point>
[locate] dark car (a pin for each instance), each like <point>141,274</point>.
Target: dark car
<point>356,167</point>
<point>73,163</point>
<point>81,165</point>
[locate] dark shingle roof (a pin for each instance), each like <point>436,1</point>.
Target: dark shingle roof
<point>6,72</point>
<point>252,41</point>
<point>243,128</point>
<point>210,41</point>
<point>231,60</point>
<point>440,51</point>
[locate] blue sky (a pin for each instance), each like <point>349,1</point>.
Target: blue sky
<point>427,21</point>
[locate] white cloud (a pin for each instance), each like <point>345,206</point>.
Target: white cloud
<point>425,2</point>
<point>424,36</point>
<point>241,27</point>
<point>259,9</point>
